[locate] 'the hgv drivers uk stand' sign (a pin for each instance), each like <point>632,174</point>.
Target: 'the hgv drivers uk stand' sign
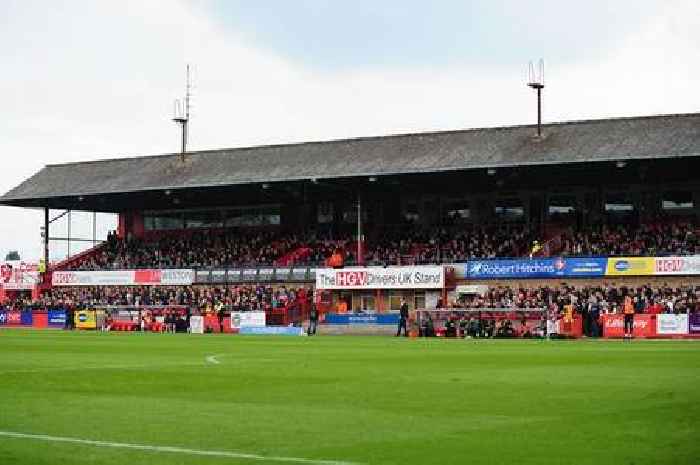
<point>396,277</point>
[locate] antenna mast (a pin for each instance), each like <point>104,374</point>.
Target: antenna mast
<point>535,80</point>
<point>182,115</point>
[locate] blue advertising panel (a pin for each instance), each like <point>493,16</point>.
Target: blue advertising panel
<point>273,330</point>
<point>26,317</point>
<point>3,317</point>
<point>537,268</point>
<point>582,267</point>
<point>362,319</point>
<point>57,317</point>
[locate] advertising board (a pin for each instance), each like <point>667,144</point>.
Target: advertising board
<point>694,323</point>
<point>397,277</point>
<point>197,324</point>
<point>672,324</point>
<point>536,268</point>
<point>664,266</point>
<point>630,266</point>
<point>273,330</point>
<point>145,277</point>
<point>362,319</point>
<point>247,319</point>
<point>85,319</point>
<point>57,318</point>
<point>614,325</point>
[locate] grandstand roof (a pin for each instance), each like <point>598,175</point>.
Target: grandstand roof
<point>635,138</point>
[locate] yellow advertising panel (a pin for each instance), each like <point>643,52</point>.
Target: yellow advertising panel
<point>630,266</point>
<point>85,319</point>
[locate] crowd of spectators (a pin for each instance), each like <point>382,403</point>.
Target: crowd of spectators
<point>230,248</point>
<point>654,239</point>
<point>450,245</point>
<point>205,298</point>
<point>199,249</point>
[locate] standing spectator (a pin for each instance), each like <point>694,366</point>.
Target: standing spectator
<point>313,319</point>
<point>628,310</point>
<point>594,315</point>
<point>403,317</point>
<point>220,313</point>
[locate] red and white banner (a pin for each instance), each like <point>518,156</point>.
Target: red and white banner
<point>394,277</point>
<point>17,275</point>
<point>179,277</point>
<point>671,324</point>
<point>614,325</point>
<point>677,265</point>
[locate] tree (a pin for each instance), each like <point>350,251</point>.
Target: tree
<point>12,255</point>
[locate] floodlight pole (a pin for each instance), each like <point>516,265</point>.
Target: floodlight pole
<point>539,110</point>
<point>536,81</point>
<point>538,86</point>
<point>183,118</point>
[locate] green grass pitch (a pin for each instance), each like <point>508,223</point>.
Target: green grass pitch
<point>365,400</point>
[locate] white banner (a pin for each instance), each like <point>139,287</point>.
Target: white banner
<point>432,298</point>
<point>396,277</point>
<point>197,324</point>
<point>17,275</point>
<point>247,319</point>
<point>123,278</point>
<point>471,289</point>
<point>171,277</point>
<point>677,265</point>
<point>671,324</point>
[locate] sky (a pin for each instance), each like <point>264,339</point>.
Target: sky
<point>97,79</point>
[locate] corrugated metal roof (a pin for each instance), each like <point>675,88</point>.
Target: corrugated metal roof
<point>580,141</point>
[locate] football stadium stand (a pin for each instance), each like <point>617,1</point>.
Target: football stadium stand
<point>599,210</point>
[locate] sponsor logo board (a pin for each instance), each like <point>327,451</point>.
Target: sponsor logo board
<point>361,319</point>
<point>694,323</point>
<point>398,277</point>
<point>247,319</point>
<point>614,325</point>
<point>671,324</point>
<point>197,324</point>
<point>536,268</point>
<point>273,330</point>
<point>630,266</point>
<point>57,317</point>
<point>147,277</point>
<point>677,265</point>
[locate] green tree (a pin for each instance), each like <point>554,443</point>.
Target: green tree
<point>12,255</point>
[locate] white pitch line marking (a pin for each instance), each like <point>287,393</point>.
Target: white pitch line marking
<point>212,359</point>
<point>172,450</point>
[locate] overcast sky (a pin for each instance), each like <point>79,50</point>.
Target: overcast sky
<point>97,79</point>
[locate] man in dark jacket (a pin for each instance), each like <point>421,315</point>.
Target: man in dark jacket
<point>313,319</point>
<point>221,314</point>
<point>403,318</point>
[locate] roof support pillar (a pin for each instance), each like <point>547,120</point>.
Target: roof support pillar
<point>46,237</point>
